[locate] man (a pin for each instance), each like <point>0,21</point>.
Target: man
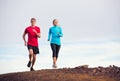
<point>33,32</point>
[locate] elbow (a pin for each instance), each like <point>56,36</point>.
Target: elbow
<point>61,35</point>
<point>48,39</point>
<point>23,36</point>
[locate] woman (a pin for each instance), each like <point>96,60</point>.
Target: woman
<point>55,33</point>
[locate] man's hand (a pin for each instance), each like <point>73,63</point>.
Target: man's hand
<point>38,34</point>
<point>34,31</point>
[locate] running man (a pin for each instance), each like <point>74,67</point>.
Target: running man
<point>33,32</point>
<point>54,35</point>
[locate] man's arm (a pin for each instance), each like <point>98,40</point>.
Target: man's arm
<point>38,34</point>
<point>25,42</point>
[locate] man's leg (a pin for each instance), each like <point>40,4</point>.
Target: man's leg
<point>34,60</point>
<point>35,51</point>
<point>30,57</point>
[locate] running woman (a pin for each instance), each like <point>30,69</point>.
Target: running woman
<point>33,33</point>
<point>54,35</point>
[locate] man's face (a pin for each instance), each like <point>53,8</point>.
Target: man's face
<point>33,22</point>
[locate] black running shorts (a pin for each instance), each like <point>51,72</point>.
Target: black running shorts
<point>34,48</point>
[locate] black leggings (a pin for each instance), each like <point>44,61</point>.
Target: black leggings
<point>55,49</point>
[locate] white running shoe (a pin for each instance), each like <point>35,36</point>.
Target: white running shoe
<point>54,66</point>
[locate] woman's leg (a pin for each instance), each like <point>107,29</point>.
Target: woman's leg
<point>53,47</point>
<point>57,51</point>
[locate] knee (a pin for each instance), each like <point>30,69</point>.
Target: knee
<point>54,52</point>
<point>34,55</point>
<point>31,52</point>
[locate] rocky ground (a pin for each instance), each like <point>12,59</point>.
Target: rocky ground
<point>80,73</point>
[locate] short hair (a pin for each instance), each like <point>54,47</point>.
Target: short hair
<point>33,19</point>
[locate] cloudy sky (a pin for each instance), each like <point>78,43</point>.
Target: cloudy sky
<point>80,19</point>
<point>89,27</point>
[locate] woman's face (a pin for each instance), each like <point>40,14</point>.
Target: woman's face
<point>55,22</point>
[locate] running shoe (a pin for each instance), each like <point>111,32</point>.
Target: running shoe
<point>29,64</point>
<point>54,66</point>
<point>31,69</point>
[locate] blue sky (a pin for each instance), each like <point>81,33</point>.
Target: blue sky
<point>91,32</point>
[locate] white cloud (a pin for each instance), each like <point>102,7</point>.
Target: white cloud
<point>71,55</point>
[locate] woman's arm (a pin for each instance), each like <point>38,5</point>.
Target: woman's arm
<point>49,34</point>
<point>60,33</point>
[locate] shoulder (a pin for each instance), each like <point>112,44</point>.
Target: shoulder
<point>59,27</point>
<point>27,28</point>
<point>50,28</point>
<point>37,27</point>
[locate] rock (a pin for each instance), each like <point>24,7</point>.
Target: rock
<point>84,66</point>
<point>94,70</point>
<point>103,70</point>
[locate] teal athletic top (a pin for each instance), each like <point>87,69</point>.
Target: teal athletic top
<point>54,35</point>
